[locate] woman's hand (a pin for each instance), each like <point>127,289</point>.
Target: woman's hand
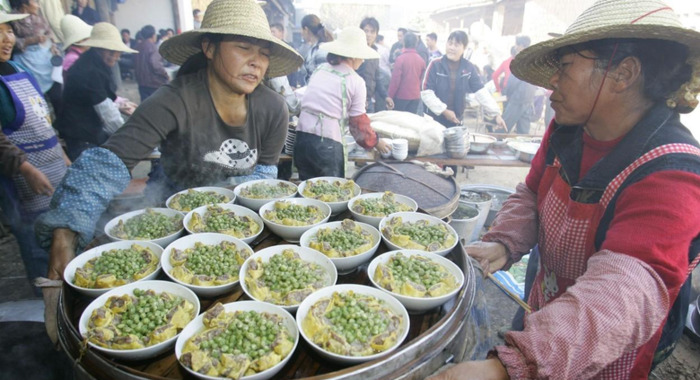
<point>62,252</point>
<point>389,103</point>
<point>489,369</point>
<point>450,115</point>
<point>382,146</point>
<point>37,181</point>
<point>491,256</point>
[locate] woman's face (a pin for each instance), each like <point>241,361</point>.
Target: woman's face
<point>306,34</point>
<point>454,50</point>
<point>82,3</point>
<point>239,63</point>
<point>7,42</point>
<point>32,7</point>
<point>109,57</point>
<point>576,85</point>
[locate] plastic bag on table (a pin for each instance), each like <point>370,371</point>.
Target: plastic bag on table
<point>424,134</point>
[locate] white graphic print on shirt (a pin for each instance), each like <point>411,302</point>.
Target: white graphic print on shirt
<point>233,154</point>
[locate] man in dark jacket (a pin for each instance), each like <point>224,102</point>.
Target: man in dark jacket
<point>369,70</point>
<point>148,65</point>
<point>397,46</point>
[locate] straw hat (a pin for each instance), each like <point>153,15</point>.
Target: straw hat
<point>234,17</point>
<point>7,17</point>
<point>605,19</point>
<point>351,43</point>
<point>106,36</point>
<point>74,30</point>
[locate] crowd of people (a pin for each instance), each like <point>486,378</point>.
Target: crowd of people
<point>595,205</point>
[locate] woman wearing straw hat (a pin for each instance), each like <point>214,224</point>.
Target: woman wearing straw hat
<point>32,162</point>
<point>74,31</point>
<point>612,200</point>
<point>214,123</point>
<point>333,105</point>
<point>92,111</point>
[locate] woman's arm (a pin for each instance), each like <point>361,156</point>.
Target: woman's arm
<point>11,157</point>
<point>427,94</point>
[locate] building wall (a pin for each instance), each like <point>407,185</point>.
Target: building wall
<point>135,14</point>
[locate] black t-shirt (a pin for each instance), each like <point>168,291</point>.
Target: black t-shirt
<point>198,148</point>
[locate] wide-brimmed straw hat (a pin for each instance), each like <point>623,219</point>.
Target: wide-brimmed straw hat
<point>643,19</point>
<point>234,17</point>
<point>74,30</point>
<point>351,43</point>
<point>106,36</point>
<point>7,17</point>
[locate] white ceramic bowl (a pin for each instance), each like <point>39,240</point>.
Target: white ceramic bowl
<point>163,241</point>
<point>189,242</point>
<point>293,233</point>
<point>197,325</point>
<point>305,253</point>
<point>158,287</point>
<point>414,217</point>
<point>418,304</point>
<point>374,220</point>
<point>525,151</point>
<point>336,207</point>
<point>254,203</point>
<point>345,264</point>
<point>218,190</point>
<point>480,143</point>
<point>389,301</point>
<point>83,258</point>
<point>399,155</point>
<point>239,210</point>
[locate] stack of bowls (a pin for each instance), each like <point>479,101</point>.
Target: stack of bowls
<point>399,149</point>
<point>456,142</point>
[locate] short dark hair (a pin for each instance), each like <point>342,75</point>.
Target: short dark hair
<point>371,21</point>
<point>432,36</point>
<point>523,41</point>
<point>664,62</point>
<point>196,12</point>
<point>148,31</point>
<point>277,25</point>
<point>334,59</point>
<point>402,30</point>
<point>17,4</point>
<point>459,36</point>
<point>410,40</point>
<point>127,31</point>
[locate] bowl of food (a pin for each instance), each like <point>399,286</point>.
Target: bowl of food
<point>207,263</point>
<point>157,225</point>
<point>284,275</point>
<point>246,340</point>
<point>525,151</point>
<point>372,207</point>
<point>348,244</point>
<point>419,280</point>
<point>335,191</point>
<point>190,199</point>
<point>100,269</point>
<point>237,221</point>
<point>139,320</point>
<point>480,143</point>
<point>413,230</point>
<point>254,194</point>
<point>290,218</point>
<point>351,324</point>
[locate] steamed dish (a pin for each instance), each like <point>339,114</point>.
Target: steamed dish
<point>327,191</point>
<point>348,240</point>
<point>116,267</point>
<point>147,226</point>
<point>352,324</point>
<point>236,344</point>
<point>380,207</point>
<point>192,199</point>
<point>208,265</point>
<point>414,276</point>
<point>268,191</point>
<point>221,220</point>
<point>291,214</point>
<point>144,319</point>
<point>285,279</point>
<point>420,235</point>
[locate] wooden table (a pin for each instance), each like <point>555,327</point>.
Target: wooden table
<point>434,338</point>
<point>498,155</point>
